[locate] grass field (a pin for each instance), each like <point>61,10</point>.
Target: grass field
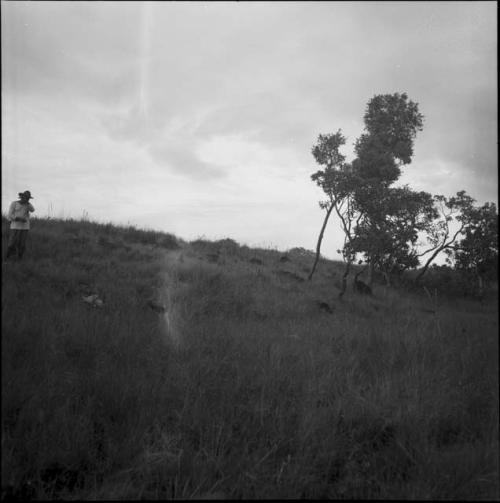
<point>255,383</point>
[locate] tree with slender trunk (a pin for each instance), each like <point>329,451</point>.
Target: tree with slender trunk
<point>391,124</point>
<point>328,207</point>
<point>389,241</point>
<point>476,254</point>
<point>353,189</point>
<point>335,180</point>
<point>451,223</point>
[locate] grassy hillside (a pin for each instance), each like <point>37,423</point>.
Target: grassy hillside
<point>253,383</point>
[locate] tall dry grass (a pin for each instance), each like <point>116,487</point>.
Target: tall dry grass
<point>250,389</point>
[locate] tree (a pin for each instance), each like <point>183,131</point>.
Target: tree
<point>476,253</point>
<point>353,190</point>
<point>337,181</point>
<point>391,125</point>
<point>383,223</point>
<point>450,224</point>
<point>390,240</point>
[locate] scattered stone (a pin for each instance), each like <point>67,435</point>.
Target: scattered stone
<point>323,306</point>
<point>157,307</point>
<point>93,300</point>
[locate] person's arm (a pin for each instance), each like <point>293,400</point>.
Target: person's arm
<point>10,215</point>
<point>30,208</point>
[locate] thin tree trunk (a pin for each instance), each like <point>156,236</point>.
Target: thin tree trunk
<point>320,239</point>
<point>428,263</point>
<point>370,274</point>
<point>443,246</point>
<point>344,278</point>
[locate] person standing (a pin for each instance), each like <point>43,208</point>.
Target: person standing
<point>19,216</point>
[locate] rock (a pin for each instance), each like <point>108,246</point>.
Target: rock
<point>157,307</point>
<point>93,300</point>
<point>323,306</point>
<point>256,261</point>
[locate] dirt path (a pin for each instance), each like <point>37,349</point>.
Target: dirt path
<point>170,319</point>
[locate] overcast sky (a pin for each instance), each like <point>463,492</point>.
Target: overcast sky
<point>198,118</point>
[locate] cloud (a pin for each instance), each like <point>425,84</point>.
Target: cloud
<point>446,177</point>
<point>215,106</point>
<point>66,48</point>
<point>182,159</point>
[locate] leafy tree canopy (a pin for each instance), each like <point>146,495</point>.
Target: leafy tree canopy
<point>391,125</point>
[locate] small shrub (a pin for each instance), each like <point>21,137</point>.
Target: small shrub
<point>228,246</point>
<point>168,241</point>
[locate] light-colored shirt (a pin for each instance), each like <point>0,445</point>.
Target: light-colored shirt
<point>20,210</point>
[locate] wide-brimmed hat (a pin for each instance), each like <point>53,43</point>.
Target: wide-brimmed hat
<point>26,193</point>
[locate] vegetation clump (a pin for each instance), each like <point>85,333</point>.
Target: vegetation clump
<point>390,228</point>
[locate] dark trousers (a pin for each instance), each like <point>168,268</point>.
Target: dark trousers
<point>17,242</point>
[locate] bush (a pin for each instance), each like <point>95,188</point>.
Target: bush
<point>448,282</point>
